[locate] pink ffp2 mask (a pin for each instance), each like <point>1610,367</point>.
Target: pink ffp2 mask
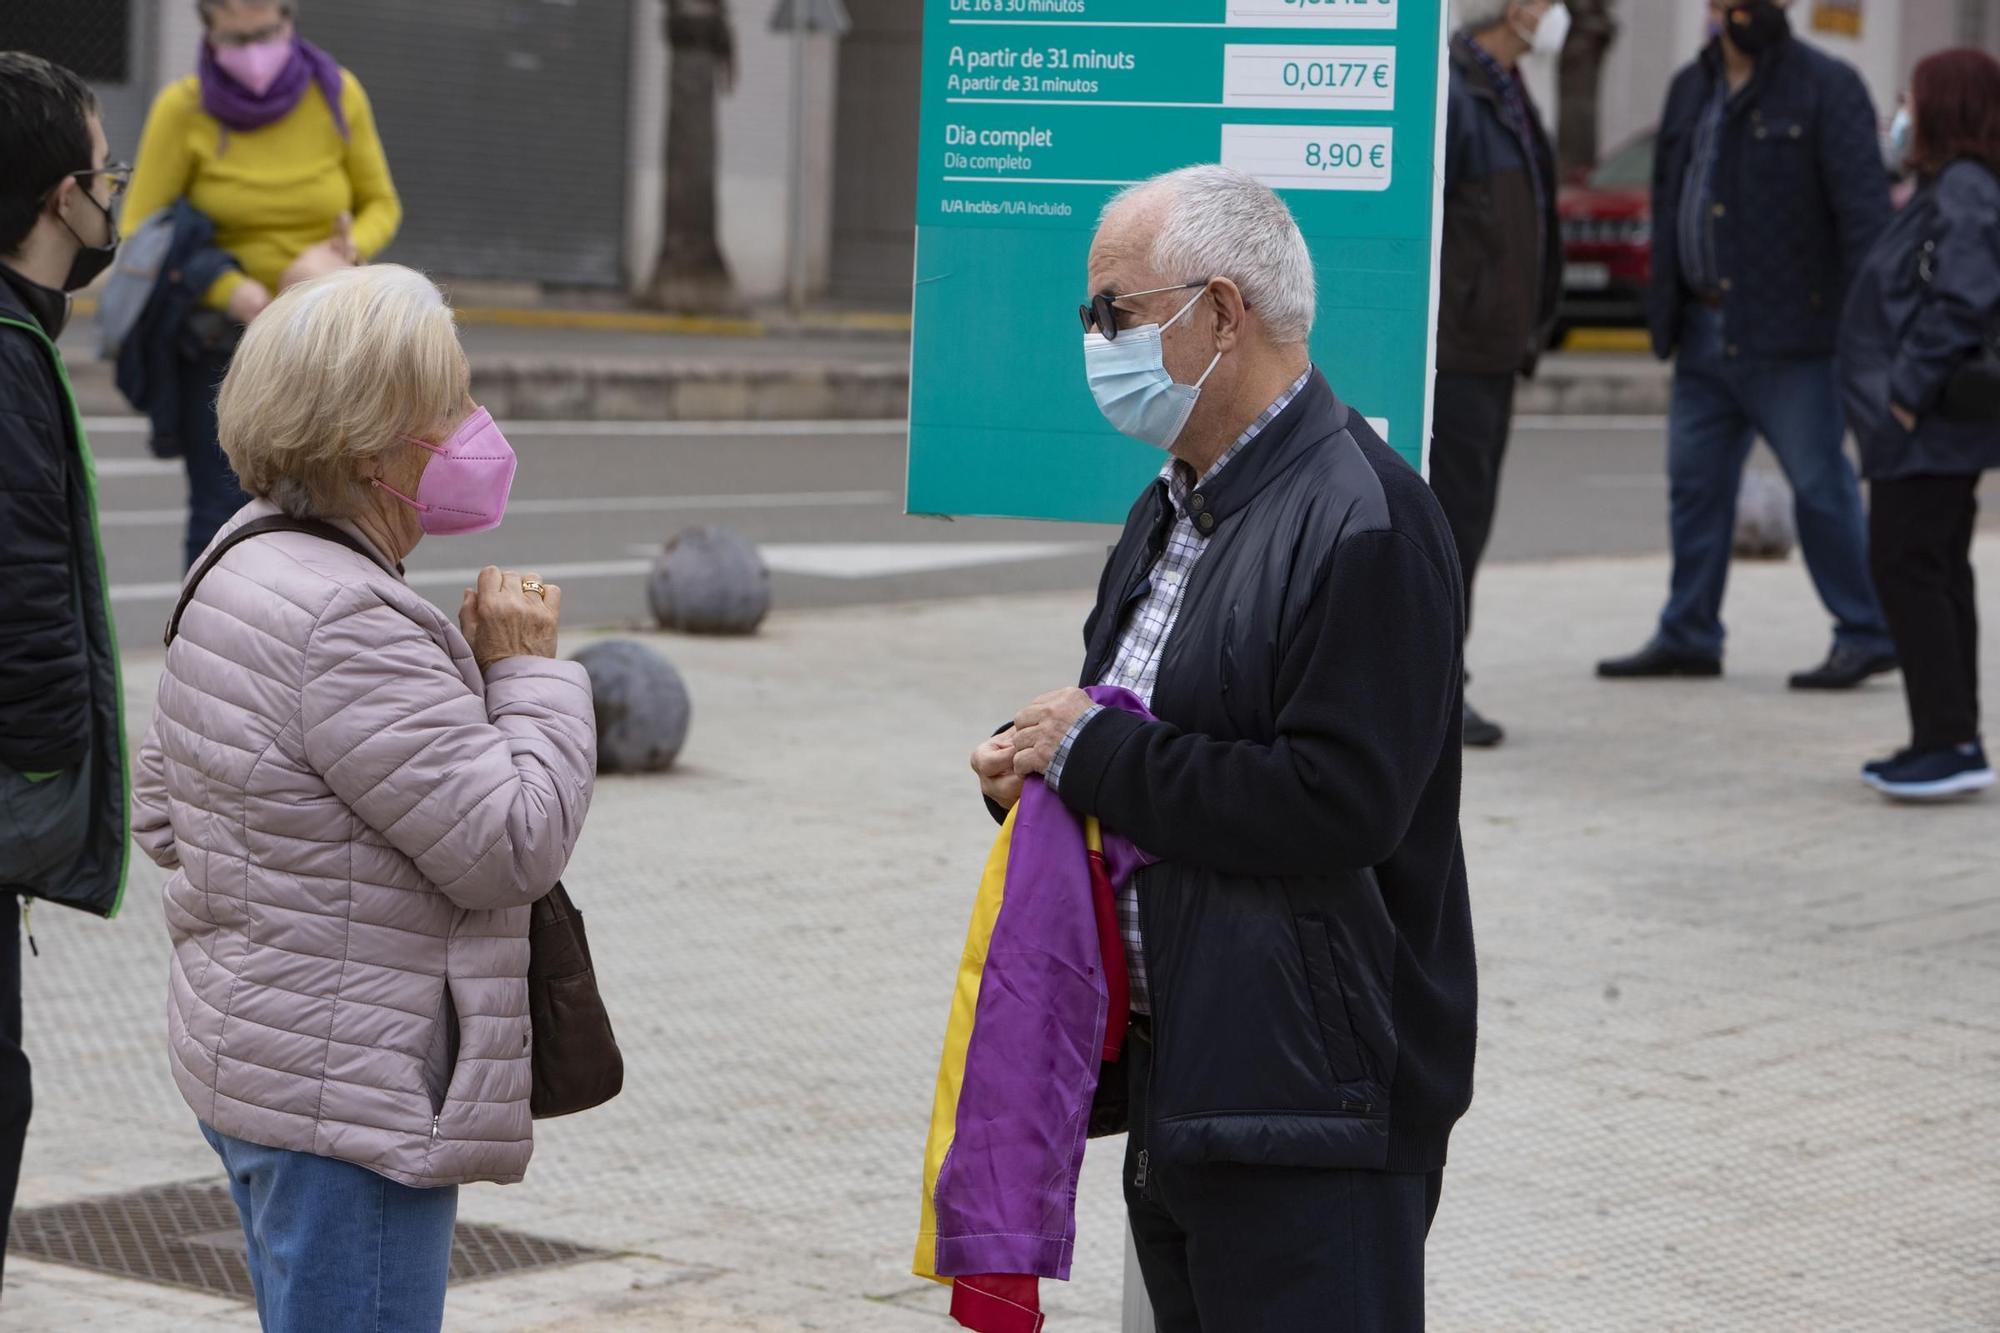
<point>258,65</point>
<point>466,483</point>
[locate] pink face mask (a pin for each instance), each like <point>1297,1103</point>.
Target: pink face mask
<point>466,483</point>
<point>258,65</point>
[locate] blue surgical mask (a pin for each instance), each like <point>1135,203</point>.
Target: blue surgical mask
<point>1128,377</point>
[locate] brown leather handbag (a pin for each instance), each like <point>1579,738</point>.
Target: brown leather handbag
<point>576,1061</point>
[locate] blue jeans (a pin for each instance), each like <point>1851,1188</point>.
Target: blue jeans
<point>335,1248</point>
<point>1720,406</point>
<point>214,494</point>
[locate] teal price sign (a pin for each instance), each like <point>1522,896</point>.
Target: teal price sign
<point>1035,112</point>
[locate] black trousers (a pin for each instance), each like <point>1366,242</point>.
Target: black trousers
<point>15,1097</point>
<point>1920,551</point>
<point>1230,1248</point>
<point>1470,420</point>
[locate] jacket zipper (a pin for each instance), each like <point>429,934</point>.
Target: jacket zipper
<point>28,925</point>
<point>434,1128</point>
<point>1139,1179</point>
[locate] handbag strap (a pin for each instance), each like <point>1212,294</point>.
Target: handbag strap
<point>259,527</point>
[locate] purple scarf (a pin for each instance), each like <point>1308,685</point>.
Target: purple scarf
<point>240,109</point>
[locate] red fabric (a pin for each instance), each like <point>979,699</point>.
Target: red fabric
<point>997,1303</point>
<point>1111,944</point>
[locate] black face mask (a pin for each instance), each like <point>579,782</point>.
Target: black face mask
<point>91,260</point>
<point>1756,26</point>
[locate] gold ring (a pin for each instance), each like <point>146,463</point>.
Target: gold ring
<point>537,587</point>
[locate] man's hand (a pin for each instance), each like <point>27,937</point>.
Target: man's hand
<point>1041,726</point>
<point>993,761</point>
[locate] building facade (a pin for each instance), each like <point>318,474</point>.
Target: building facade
<point>528,136</point>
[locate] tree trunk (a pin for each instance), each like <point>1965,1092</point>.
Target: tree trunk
<point>691,274</point>
<point>1580,77</point>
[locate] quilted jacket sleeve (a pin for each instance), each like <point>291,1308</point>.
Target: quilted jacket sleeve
<point>152,825</point>
<point>486,797</point>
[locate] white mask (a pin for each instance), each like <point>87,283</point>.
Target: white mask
<point>1549,36</point>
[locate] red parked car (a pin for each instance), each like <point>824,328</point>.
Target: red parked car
<point>1607,225</point>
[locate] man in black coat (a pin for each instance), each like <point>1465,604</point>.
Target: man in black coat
<point>1287,601</point>
<point>62,743</point>
<point>1502,269</point>
<point>1768,192</point>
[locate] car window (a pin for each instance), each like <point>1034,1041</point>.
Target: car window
<point>1629,167</point>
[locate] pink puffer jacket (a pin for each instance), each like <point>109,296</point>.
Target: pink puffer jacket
<point>358,823</point>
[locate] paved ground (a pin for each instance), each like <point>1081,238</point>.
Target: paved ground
<point>594,501</point>
<point>1739,1046</point>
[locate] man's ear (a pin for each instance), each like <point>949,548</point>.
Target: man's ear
<point>1226,298</point>
<point>59,197</point>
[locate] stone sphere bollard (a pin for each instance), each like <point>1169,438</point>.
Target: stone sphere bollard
<point>710,581</point>
<point>642,707</point>
<point>1765,529</point>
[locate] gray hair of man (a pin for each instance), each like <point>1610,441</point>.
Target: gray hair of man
<point>1220,223</point>
<point>1480,15</point>
<point>209,8</point>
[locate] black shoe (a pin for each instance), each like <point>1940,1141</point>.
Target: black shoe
<point>1479,733</point>
<point>1875,767</point>
<point>1844,669</point>
<point>1657,660</point>
<point>1932,775</point>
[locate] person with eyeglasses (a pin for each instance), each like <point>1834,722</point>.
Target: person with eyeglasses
<point>63,811</point>
<point>274,143</point>
<point>1286,602</point>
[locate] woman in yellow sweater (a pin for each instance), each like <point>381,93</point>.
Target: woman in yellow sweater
<point>276,145</point>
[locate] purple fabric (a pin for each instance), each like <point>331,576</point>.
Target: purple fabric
<point>1006,1194</point>
<point>240,109</point>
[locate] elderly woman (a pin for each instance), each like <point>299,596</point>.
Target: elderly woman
<point>359,800</point>
<point>274,143</point>
<point>1922,310</point>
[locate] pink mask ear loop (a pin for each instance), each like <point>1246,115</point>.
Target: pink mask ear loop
<point>417,505</point>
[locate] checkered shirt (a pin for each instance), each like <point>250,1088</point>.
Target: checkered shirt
<point>1143,640</point>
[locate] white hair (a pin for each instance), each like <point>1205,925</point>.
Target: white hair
<point>336,371</point>
<point>1482,14</point>
<point>1221,223</point>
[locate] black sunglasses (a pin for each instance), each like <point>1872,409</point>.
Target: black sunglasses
<point>1100,312</point>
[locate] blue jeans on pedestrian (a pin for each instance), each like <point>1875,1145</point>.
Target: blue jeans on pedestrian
<point>1720,406</point>
<point>335,1248</point>
<point>214,494</point>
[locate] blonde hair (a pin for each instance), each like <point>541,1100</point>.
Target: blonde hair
<point>334,372</point>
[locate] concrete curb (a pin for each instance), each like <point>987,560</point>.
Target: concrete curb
<point>654,389</point>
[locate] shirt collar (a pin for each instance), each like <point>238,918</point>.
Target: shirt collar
<point>1180,477</point>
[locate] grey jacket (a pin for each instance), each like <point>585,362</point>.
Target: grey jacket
<point>357,822</point>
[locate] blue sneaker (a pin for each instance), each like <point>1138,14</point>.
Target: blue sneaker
<point>1933,775</point>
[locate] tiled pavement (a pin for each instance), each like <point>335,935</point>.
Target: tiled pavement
<point>1740,1054</point>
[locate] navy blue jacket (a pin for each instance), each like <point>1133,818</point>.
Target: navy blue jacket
<point>1502,266</point>
<point>1803,196</point>
<point>1925,301</point>
<point>154,362</point>
<point>1308,929</point>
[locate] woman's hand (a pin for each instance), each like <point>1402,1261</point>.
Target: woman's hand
<point>502,619</point>
<point>329,256</point>
<point>993,761</point>
<point>247,300</point>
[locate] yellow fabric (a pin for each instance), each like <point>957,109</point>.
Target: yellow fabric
<point>957,1039</point>
<point>273,192</point>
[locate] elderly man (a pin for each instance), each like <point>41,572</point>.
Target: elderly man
<point>1286,599</point>
<point>1502,268</point>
